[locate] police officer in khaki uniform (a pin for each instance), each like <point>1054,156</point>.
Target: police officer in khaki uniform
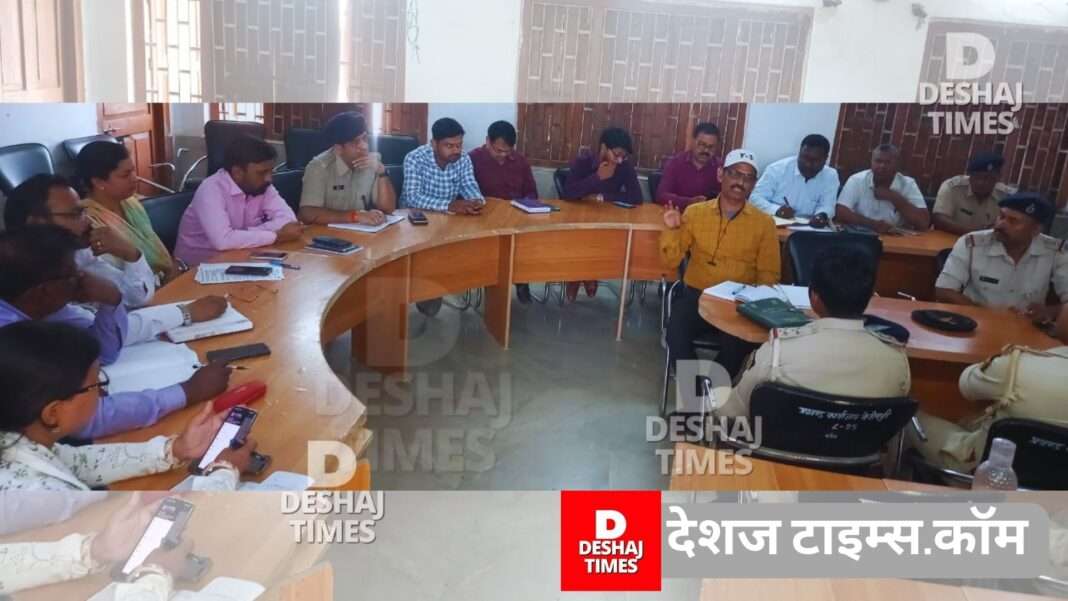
<point>967,203</point>
<point>346,183</point>
<point>835,354</point>
<point>1010,266</point>
<point>1021,382</point>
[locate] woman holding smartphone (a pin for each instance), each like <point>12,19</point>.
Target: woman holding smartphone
<point>50,386</point>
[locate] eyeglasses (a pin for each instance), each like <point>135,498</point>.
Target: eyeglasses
<point>101,385</point>
<point>703,146</point>
<point>748,177</point>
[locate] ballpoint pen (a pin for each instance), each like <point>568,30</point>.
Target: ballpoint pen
<point>200,365</point>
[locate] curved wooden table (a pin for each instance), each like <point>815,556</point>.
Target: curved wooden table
<point>936,358</point>
<point>368,293</point>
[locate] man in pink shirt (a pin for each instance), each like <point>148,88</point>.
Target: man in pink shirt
<point>237,207</point>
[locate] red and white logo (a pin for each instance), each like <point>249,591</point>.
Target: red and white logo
<point>610,541</point>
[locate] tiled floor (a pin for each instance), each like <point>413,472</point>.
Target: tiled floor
<point>564,407</point>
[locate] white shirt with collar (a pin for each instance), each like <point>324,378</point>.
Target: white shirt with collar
<point>783,183</point>
<point>135,280</point>
<point>858,194</point>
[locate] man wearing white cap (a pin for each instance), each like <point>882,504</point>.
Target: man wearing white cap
<point>728,239</point>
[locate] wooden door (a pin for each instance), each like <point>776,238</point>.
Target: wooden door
<point>142,128</point>
<point>40,53</point>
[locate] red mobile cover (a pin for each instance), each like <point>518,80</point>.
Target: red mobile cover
<point>242,395</point>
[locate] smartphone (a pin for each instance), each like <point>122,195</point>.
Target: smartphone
<point>417,218</point>
<point>164,531</point>
<point>248,270</point>
<point>623,205</point>
<point>236,353</point>
<point>268,255</point>
<point>332,242</point>
<point>232,434</point>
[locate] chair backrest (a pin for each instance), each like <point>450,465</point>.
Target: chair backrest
<point>303,145</point>
<point>165,213</point>
<point>394,147</point>
<point>811,423</point>
<point>219,133</point>
<point>289,183</point>
<point>396,177</point>
<point>654,183</point>
<point>1041,461</point>
<point>560,179</point>
<point>75,145</point>
<point>20,162</point>
<point>940,260</point>
<point>804,247</point>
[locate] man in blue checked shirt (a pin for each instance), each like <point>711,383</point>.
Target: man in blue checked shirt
<point>39,280</point>
<point>440,176</point>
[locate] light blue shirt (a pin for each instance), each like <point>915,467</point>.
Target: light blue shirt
<point>429,187</point>
<point>783,183</point>
<point>122,411</point>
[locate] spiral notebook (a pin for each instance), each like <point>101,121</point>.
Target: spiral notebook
<point>229,322</point>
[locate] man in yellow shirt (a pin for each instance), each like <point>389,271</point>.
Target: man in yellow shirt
<point>727,239</point>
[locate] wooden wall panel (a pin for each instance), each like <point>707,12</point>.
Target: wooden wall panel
<point>407,118</point>
<point>37,64</point>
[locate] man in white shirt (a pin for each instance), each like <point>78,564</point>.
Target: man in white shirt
<point>881,198</point>
<point>801,185</point>
<point>50,199</point>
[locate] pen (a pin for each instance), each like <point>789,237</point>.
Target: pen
<point>200,365</point>
<point>786,201</point>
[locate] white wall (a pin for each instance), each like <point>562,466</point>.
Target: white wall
<point>774,131</point>
<point>468,51</point>
<point>475,117</point>
<point>107,57</point>
<point>48,124</point>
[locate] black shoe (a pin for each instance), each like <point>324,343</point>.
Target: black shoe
<point>430,307</point>
<point>523,292</point>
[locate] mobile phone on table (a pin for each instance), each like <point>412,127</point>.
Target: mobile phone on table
<point>332,243</point>
<point>248,270</point>
<point>236,353</point>
<point>417,217</point>
<point>164,531</point>
<point>623,205</point>
<point>268,255</point>
<point>232,434</point>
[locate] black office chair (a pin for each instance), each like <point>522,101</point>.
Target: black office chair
<point>165,214</point>
<point>808,428</point>
<point>219,133</point>
<point>560,180</point>
<point>396,177</point>
<point>289,184</point>
<point>804,247</point>
<point>709,343</point>
<point>75,145</point>
<point>940,260</point>
<point>302,145</point>
<point>1041,461</point>
<point>394,148</point>
<point>654,183</point>
<point>20,162</point>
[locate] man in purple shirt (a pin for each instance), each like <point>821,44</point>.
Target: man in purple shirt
<point>39,280</point>
<point>606,175</point>
<point>692,176</point>
<point>237,207</point>
<point>501,172</point>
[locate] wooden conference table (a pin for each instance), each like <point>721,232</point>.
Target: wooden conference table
<point>936,359</point>
<point>368,293</point>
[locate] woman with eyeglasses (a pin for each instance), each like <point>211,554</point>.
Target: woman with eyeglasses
<point>50,384</point>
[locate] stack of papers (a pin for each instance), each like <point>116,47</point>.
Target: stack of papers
<point>531,205</point>
<point>215,273</point>
<point>369,229</point>
<point>229,322</point>
<point>743,293</point>
<point>150,366</point>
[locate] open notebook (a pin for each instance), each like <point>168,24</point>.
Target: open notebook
<point>369,229</point>
<point>733,291</point>
<point>151,365</point>
<point>215,273</point>
<point>229,322</point>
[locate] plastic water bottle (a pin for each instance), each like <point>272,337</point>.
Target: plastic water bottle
<point>996,472</point>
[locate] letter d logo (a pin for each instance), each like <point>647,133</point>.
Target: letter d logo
<point>957,66</point>
<point>605,517</point>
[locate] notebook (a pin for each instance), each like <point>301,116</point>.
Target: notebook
<point>531,205</point>
<point>369,229</point>
<point>743,293</point>
<point>229,322</point>
<point>781,221</point>
<point>150,366</point>
<point>215,273</point>
<point>773,313</point>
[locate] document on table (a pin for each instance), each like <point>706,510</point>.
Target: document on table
<point>229,322</point>
<point>215,273</point>
<point>276,482</point>
<point>781,221</point>
<point>369,229</point>
<point>151,366</point>
<point>734,291</point>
